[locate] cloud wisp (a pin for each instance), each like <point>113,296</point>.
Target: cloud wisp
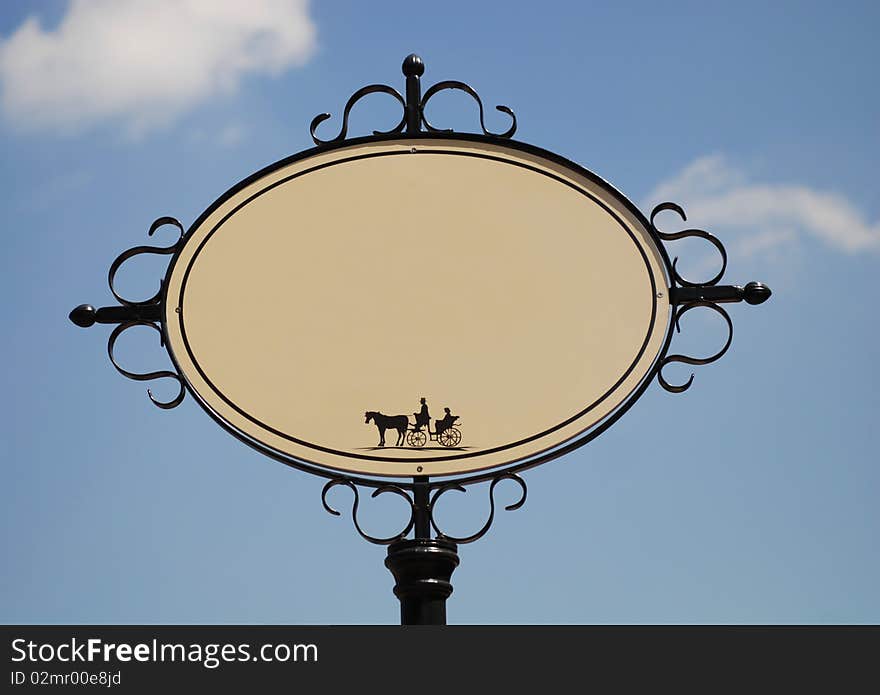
<point>144,63</point>
<point>765,216</point>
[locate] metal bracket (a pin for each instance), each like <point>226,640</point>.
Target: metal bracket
<point>685,295</point>
<point>753,293</point>
<point>413,117</point>
<point>128,314</point>
<point>422,496</point>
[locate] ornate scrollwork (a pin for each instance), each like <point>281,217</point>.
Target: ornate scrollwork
<point>686,295</point>
<point>345,482</point>
<point>413,106</point>
<point>137,251</point>
<point>357,96</point>
<point>679,312</point>
<point>455,84</point>
<point>130,313</point>
<point>485,528</point>
<point>146,376</point>
<point>685,234</point>
<point>422,513</point>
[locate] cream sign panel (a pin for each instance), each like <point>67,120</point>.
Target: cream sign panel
<point>417,306</point>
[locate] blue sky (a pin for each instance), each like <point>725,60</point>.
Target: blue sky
<point>749,499</point>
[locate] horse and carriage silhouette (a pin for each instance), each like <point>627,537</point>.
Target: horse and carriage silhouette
<point>445,432</point>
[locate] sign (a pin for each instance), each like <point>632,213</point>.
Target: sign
<point>407,306</point>
<point>419,304</point>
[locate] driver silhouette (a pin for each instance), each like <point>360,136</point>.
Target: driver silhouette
<point>423,419</point>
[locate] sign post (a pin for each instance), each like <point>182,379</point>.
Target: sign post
<point>418,311</point>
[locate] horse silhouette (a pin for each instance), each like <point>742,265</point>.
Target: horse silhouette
<point>388,422</point>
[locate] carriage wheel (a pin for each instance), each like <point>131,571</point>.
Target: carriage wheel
<point>456,435</point>
<point>450,437</point>
<point>416,438</point>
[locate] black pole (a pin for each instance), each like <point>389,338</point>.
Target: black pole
<point>422,566</point>
<point>422,569</point>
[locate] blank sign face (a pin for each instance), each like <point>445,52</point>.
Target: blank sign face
<point>417,306</point>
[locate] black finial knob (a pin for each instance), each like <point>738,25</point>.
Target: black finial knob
<point>413,66</point>
<point>756,293</point>
<point>83,316</point>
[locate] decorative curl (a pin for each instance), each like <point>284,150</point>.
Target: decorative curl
<point>359,94</point>
<point>138,250</point>
<point>455,84</point>
<point>687,233</point>
<point>681,311</point>
<point>482,532</point>
<point>354,507</point>
<point>146,376</point>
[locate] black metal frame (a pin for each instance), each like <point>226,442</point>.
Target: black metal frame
<point>422,493</point>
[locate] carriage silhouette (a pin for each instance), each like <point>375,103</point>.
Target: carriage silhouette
<point>445,431</point>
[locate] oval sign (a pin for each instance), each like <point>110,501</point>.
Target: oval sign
<point>417,306</point>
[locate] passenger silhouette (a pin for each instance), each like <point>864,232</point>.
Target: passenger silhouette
<point>447,421</point>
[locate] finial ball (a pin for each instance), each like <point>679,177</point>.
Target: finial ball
<point>756,293</point>
<point>83,315</point>
<point>413,66</point>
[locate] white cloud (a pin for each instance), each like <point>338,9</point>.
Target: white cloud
<point>143,63</point>
<point>231,135</point>
<point>765,216</point>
